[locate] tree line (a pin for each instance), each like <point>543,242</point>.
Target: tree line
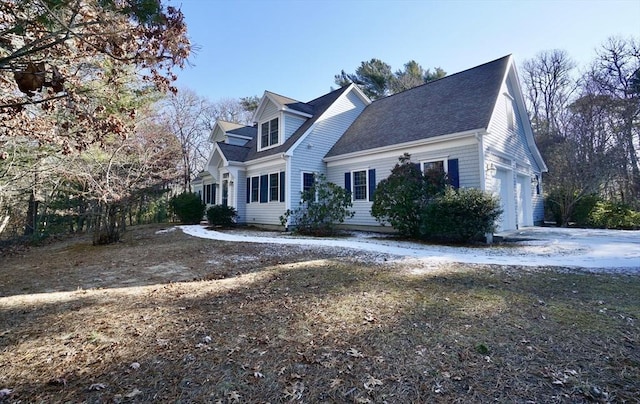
<point>93,132</point>
<point>587,126</point>
<point>94,136</point>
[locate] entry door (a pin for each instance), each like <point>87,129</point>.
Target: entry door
<point>225,193</point>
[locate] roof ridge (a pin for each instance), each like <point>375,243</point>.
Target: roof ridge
<point>284,96</point>
<point>329,93</point>
<point>445,77</point>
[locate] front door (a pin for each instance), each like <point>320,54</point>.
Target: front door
<point>225,193</point>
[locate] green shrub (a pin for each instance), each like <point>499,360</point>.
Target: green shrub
<point>583,208</point>
<point>188,207</point>
<point>460,216</point>
<point>401,197</point>
<point>322,207</point>
<point>220,215</point>
<point>614,215</point>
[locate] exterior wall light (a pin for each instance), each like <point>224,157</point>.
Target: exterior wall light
<point>534,180</point>
<point>491,169</point>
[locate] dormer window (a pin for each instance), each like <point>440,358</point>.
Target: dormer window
<point>269,133</point>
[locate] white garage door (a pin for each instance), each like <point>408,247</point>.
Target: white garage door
<point>503,187</point>
<point>523,199</point>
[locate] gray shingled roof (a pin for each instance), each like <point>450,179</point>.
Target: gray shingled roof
<point>232,152</point>
<point>318,106</point>
<point>247,131</point>
<point>293,104</point>
<point>456,103</point>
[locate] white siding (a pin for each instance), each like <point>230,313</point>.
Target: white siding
<point>291,124</point>
<point>240,192</point>
<point>468,169</point>
<point>508,148</point>
<point>307,157</point>
<point>269,111</point>
<point>266,213</point>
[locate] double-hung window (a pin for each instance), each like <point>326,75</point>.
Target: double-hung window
<point>308,180</point>
<point>438,165</point>
<point>442,166</point>
<point>269,134</point>
<point>360,185</point>
<point>255,189</point>
<point>274,189</point>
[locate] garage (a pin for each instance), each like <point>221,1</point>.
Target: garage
<point>503,187</point>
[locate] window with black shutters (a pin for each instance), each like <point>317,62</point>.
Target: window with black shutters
<point>360,185</point>
<point>274,191</point>
<point>255,188</point>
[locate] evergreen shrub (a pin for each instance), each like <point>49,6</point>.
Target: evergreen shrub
<point>460,216</point>
<point>322,208</point>
<point>188,207</point>
<point>614,215</point>
<point>220,215</point>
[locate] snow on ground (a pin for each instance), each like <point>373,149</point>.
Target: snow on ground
<point>596,250</point>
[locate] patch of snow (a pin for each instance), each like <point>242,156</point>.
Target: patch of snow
<point>596,250</point>
<point>169,230</point>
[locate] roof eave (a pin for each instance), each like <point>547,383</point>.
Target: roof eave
<point>400,146</point>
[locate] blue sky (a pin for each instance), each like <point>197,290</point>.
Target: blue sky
<point>295,47</point>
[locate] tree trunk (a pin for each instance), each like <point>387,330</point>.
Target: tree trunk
<point>32,216</point>
<point>107,225</point>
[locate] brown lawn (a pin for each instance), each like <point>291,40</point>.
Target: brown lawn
<point>165,317</point>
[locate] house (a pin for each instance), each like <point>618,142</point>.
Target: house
<point>472,124</point>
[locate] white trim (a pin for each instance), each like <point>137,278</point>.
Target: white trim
<point>302,173</point>
<point>444,159</point>
<point>220,124</point>
<point>521,112</point>
<point>295,111</point>
<point>238,136</point>
<point>366,185</point>
<point>359,93</point>
<point>261,106</point>
<point>266,161</point>
<point>216,148</point>
<point>291,149</point>
<point>509,112</point>
<point>281,107</point>
<point>268,121</point>
<point>418,146</point>
<point>352,87</point>
<point>288,191</point>
<point>277,173</point>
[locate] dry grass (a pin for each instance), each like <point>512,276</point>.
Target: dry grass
<point>308,325</point>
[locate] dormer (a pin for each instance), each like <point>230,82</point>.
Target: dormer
<point>231,133</point>
<point>277,117</point>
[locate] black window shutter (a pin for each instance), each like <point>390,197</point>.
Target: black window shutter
<point>264,188</point>
<point>248,189</point>
<point>347,182</point>
<point>281,186</point>
<point>454,176</point>
<point>417,166</point>
<point>372,183</point>
<point>213,193</point>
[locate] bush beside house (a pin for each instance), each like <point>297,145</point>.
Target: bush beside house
<point>460,215</point>
<point>188,207</point>
<point>322,207</point>
<point>220,215</point>
<point>424,206</point>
